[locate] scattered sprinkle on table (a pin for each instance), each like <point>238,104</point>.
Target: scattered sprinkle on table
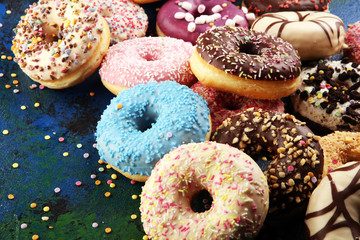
<point>11,197</point>
<point>15,165</point>
<point>23,226</point>
<point>33,205</point>
<point>113,176</point>
<point>97,182</point>
<point>47,137</point>
<point>78,183</point>
<point>86,155</point>
<point>61,139</point>
<point>35,237</point>
<point>5,132</point>
<point>108,230</point>
<point>65,154</point>
<point>94,224</point>
<point>8,12</point>
<point>134,196</point>
<point>112,185</point>
<point>36,104</point>
<point>57,190</point>
<point>107,194</point>
<point>133,216</point>
<point>79,145</point>
<point>23,107</point>
<point>46,208</point>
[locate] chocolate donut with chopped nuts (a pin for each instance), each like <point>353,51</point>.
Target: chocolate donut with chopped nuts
<point>296,156</point>
<point>329,95</point>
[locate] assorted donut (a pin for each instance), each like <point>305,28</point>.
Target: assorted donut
<point>314,35</point>
<point>246,63</point>
<point>295,156</point>
<point>252,111</point>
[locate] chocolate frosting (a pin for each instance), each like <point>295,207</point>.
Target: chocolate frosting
<point>249,54</point>
<point>264,6</point>
<point>298,158</point>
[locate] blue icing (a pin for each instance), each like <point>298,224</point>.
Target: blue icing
<point>154,119</point>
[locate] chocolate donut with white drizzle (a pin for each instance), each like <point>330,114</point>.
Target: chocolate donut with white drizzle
<point>314,34</point>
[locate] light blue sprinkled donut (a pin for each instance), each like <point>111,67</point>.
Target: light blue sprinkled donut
<point>152,119</point>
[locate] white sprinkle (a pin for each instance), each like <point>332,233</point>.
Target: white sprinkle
<point>45,218</point>
<point>250,16</point>
<point>93,176</point>
<point>238,19</point>
<point>94,224</point>
<point>200,19</point>
<point>230,23</point>
<point>216,9</point>
<point>86,155</point>
<point>189,17</point>
<point>23,225</point>
<point>191,27</point>
<point>245,10</point>
<point>16,90</point>
<point>179,15</point>
<point>201,8</point>
<point>57,190</point>
<point>186,5</point>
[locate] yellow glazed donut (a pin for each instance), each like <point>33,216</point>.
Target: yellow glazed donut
<point>60,43</point>
<point>313,34</point>
<point>235,182</point>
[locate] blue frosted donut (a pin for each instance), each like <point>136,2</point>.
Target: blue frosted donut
<point>143,123</point>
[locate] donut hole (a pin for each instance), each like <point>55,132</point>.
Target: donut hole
<point>249,47</point>
<point>201,202</point>
<point>51,33</point>
<point>149,56</point>
<point>230,101</point>
<point>145,120</point>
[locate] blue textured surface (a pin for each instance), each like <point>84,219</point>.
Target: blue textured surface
<point>72,114</point>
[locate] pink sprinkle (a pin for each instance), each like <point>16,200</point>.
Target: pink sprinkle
<point>78,183</point>
<point>41,86</point>
<point>132,181</point>
<point>61,139</point>
<point>109,181</point>
<point>302,142</point>
<point>290,168</point>
<point>169,134</point>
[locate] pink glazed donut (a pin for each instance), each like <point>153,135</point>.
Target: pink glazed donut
<point>187,19</point>
<point>225,105</point>
<point>141,60</point>
<point>352,39</point>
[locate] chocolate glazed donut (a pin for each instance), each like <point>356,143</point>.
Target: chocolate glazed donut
<point>297,158</point>
<point>265,6</point>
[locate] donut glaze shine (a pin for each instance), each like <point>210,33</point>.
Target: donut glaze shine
<point>265,6</point>
<point>188,19</point>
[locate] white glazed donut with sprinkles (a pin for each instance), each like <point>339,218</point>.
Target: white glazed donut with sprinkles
<point>59,43</point>
<point>126,19</point>
<point>236,183</point>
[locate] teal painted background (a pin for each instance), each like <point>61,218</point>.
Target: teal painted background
<point>71,114</point>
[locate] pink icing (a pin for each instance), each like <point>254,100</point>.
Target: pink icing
<point>224,105</point>
<point>141,60</point>
<point>185,19</point>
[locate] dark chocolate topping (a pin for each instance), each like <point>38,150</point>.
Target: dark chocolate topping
<point>339,85</point>
<point>298,157</point>
<point>249,54</point>
<point>338,204</point>
<point>265,6</point>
